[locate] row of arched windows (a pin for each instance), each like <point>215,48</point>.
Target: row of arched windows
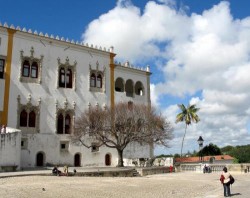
<point>129,87</point>
<point>30,70</point>
<point>64,122</point>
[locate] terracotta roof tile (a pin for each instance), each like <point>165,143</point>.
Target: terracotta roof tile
<point>205,158</point>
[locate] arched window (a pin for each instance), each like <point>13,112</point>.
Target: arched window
<point>129,88</point>
<point>139,88</point>
<point>26,68</point>
<point>32,119</point>
<point>34,70</point>
<point>23,118</point>
<point>99,81</point>
<point>62,78</point>
<point>60,124</point>
<point>69,79</point>
<point>119,85</point>
<point>93,80</point>
<point>67,124</point>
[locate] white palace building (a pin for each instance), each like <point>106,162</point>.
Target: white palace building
<point>46,82</point>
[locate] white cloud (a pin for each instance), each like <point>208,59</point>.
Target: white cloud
<point>207,53</point>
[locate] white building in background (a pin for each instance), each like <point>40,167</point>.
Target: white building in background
<point>46,82</point>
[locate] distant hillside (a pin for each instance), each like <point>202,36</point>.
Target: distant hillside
<point>241,153</point>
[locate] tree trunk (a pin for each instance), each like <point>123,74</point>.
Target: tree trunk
<point>183,139</point>
<point>120,158</point>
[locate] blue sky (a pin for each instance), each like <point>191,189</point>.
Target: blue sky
<point>198,52</point>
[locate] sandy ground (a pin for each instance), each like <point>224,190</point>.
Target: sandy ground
<point>175,185</point>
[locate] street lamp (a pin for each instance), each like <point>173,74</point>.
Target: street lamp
<point>200,142</point>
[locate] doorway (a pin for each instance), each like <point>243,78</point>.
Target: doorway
<point>40,159</point>
<point>107,159</point>
<point>77,160</point>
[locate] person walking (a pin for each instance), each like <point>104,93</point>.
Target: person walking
<point>225,180</point>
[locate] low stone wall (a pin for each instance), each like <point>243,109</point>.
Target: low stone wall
<point>111,173</point>
<point>153,170</point>
<point>214,167</point>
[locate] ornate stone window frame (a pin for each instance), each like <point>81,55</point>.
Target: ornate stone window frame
<point>97,72</point>
<point>31,59</point>
<point>28,107</point>
<point>64,110</point>
<point>66,66</point>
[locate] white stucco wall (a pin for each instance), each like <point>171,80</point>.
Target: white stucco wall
<point>47,141</point>
<point>47,90</point>
<point>10,147</point>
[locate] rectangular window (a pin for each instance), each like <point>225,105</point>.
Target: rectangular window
<point>24,143</point>
<point>2,61</point>
<point>64,146</point>
<point>94,148</point>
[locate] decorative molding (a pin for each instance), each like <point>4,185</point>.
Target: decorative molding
<point>97,72</point>
<point>28,107</point>
<point>31,59</point>
<point>67,66</point>
<point>65,109</point>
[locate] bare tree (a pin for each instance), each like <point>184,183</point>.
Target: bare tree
<point>117,127</point>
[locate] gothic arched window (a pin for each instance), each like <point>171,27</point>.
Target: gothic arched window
<point>99,81</point>
<point>23,118</point>
<point>34,70</point>
<point>69,79</point>
<point>62,78</point>
<point>67,124</point>
<point>26,68</point>
<point>93,80</point>
<point>60,124</point>
<point>32,119</point>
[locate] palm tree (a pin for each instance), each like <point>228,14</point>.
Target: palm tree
<point>187,115</point>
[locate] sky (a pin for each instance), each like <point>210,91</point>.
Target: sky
<point>198,52</point>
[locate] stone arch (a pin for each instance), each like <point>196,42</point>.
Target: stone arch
<point>129,88</point>
<point>139,89</point>
<point>119,85</point>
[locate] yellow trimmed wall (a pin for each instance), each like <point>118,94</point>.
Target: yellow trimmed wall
<point>4,114</point>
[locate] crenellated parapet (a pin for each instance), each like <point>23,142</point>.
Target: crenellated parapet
<point>128,65</point>
<point>67,40</point>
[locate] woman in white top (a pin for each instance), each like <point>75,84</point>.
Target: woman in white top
<point>226,182</point>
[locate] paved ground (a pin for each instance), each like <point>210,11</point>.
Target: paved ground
<point>176,185</point>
